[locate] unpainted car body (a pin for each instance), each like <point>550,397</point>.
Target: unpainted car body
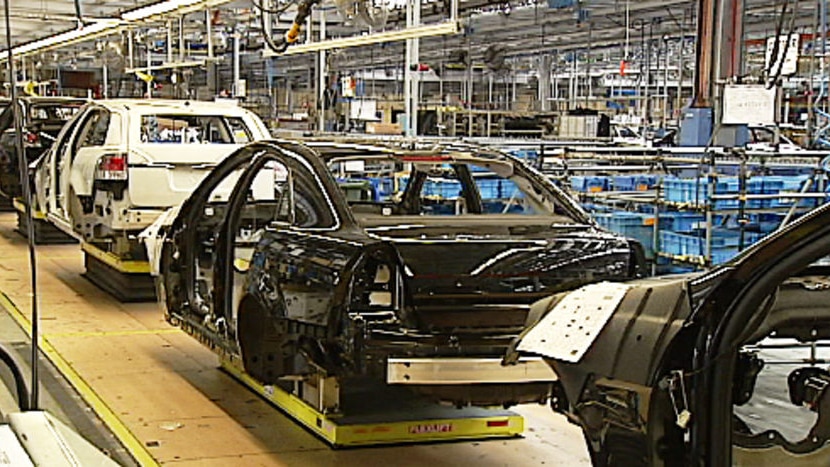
<point>42,120</point>
<point>669,369</point>
<point>120,163</point>
<point>329,274</point>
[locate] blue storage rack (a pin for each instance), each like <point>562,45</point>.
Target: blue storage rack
<point>724,244</point>
<point>590,184</point>
<point>641,182</point>
<point>694,191</point>
<point>638,226</point>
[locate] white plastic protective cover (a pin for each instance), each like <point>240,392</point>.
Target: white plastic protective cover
<point>572,326</point>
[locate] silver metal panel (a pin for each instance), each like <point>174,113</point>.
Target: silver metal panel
<point>466,371</point>
<point>11,451</point>
<point>572,326</point>
<point>49,442</point>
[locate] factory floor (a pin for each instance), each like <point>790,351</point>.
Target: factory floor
<point>165,401</point>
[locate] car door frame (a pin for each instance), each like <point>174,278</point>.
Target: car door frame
<point>54,196</point>
<point>287,155</point>
<point>726,318</point>
<point>182,232</point>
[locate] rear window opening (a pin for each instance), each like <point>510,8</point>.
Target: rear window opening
<point>472,186</point>
<point>194,129</point>
<point>53,112</point>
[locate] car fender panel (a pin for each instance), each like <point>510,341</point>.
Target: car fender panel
<point>632,343</point>
<point>573,324</point>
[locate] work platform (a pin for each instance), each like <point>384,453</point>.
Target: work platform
<point>126,280</point>
<point>45,233</point>
<point>385,415</point>
<point>167,400</point>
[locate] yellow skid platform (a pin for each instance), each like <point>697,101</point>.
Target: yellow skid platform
<point>44,232</point>
<point>413,421</point>
<point>113,261</point>
<point>126,280</point>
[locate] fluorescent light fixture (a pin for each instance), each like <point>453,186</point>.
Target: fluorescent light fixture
<point>440,29</point>
<point>103,27</point>
<point>169,6</point>
<point>167,66</point>
<point>157,9</point>
<point>88,32</point>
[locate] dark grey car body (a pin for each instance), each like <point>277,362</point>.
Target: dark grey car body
<point>42,120</point>
<point>339,286</point>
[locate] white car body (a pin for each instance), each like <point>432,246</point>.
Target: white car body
<point>761,138</point>
<point>627,136</point>
<point>121,163</point>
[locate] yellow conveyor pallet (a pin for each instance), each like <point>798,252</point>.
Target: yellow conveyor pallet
<point>368,422</point>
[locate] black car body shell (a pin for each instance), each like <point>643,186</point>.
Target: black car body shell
<point>45,130</point>
<point>453,287</point>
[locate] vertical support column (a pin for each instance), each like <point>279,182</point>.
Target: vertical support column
<point>105,77</point>
<point>181,39</point>
<point>704,49</point>
<point>728,64</point>
<point>470,91</point>
<point>209,32</point>
<point>170,41</point>
<point>543,93</point>
<point>236,59</point>
<point>718,58</point>
<point>411,79</point>
<point>149,65</point>
<point>130,52</point>
<point>321,75</point>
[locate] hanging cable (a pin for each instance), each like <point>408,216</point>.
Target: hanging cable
<point>79,15</point>
<point>259,6</point>
<point>27,197</point>
<point>776,46</point>
<point>790,31</point>
<point>778,27</point>
<point>291,36</point>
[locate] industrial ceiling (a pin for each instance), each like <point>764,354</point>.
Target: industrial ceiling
<point>526,28</point>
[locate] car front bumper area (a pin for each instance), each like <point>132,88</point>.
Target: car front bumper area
<point>474,381</point>
<point>451,370</point>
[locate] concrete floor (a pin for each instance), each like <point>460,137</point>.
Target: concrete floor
<point>166,398</point>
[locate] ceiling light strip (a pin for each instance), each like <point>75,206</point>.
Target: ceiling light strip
<point>102,27</point>
<point>168,66</point>
<point>63,39</point>
<point>169,7</point>
<point>444,28</point>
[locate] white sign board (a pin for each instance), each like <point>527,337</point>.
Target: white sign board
<point>363,109</point>
<point>354,166</point>
<point>748,104</point>
<point>790,60</point>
